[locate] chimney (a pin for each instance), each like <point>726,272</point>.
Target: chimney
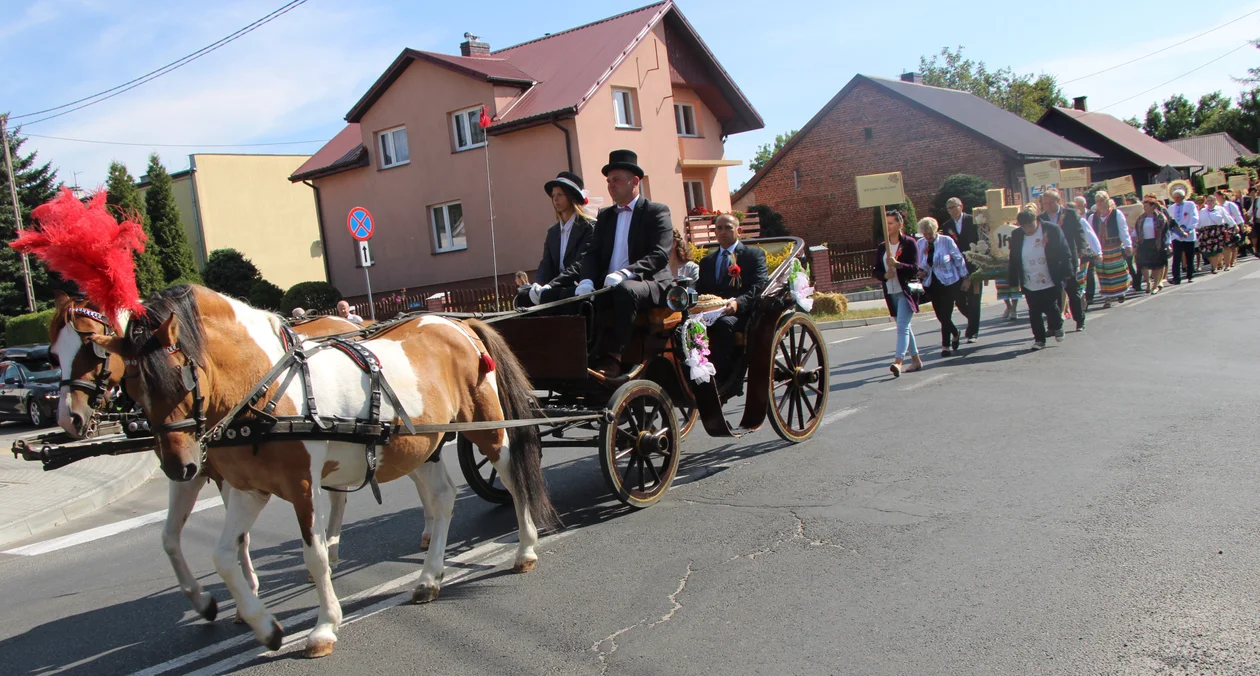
<point>912,77</point>
<point>1078,103</point>
<point>474,48</point>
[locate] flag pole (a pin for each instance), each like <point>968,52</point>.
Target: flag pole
<point>17,210</point>
<point>484,122</point>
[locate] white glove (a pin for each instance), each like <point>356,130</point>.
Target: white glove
<point>584,287</point>
<point>535,292</point>
<point>613,279</point>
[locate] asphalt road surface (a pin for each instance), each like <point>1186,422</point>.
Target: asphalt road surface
<point>1086,509</point>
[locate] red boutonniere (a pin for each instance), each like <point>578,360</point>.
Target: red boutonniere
<point>733,273</point>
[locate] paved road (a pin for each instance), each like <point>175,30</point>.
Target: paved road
<point>1085,509</point>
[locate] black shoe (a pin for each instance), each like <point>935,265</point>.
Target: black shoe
<point>955,348</point>
<point>945,352</point>
<point>1175,281</point>
<point>1080,328</point>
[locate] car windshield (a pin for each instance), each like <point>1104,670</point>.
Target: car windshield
<point>40,370</point>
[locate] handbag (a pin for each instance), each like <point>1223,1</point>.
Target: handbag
<point>915,288</point>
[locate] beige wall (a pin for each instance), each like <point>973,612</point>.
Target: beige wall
<point>707,147</point>
<point>399,197</point>
<point>247,203</point>
<point>183,189</point>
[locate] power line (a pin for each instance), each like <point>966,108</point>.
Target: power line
<point>1110,105</point>
<point>154,74</point>
<point>1161,49</point>
<point>176,145</point>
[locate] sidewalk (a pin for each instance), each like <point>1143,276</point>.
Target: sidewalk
<point>33,501</point>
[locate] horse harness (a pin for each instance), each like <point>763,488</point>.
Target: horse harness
<point>95,389</point>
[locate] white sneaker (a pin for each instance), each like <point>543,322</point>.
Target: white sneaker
<point>1038,345</point>
<point>1058,336</point>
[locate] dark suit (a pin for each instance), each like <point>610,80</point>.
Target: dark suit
<point>648,241</point>
<point>553,263</point>
<point>754,276</point>
<point>968,301</point>
<point>1043,304</point>
<point>1074,232</point>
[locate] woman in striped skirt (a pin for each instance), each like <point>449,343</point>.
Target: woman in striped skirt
<point>1113,235</point>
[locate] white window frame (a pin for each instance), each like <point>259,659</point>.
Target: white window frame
<point>693,194</point>
<point>392,152</point>
<point>445,207</point>
<point>470,120</point>
<point>623,102</point>
<point>680,120</point>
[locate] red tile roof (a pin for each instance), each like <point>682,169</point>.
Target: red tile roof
<point>1130,138</point>
<point>344,151</point>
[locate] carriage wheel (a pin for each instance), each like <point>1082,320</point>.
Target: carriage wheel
<point>638,450</point>
<point>687,417</point>
<point>480,474</point>
<point>799,381</point>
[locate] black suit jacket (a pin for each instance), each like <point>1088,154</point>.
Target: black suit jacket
<point>553,263</point>
<point>1057,255</point>
<point>1070,223</point>
<point>752,270</point>
<point>969,235</point>
<point>649,240</point>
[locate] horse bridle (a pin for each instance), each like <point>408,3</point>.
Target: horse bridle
<point>190,380</point>
<point>95,389</point>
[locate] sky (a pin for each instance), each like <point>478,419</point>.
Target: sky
<point>295,78</point>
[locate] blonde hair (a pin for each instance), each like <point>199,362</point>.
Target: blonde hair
<point>1033,207</point>
<point>1103,194</point>
<point>928,226</point>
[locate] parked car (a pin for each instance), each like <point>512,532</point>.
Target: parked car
<point>36,358</point>
<point>23,396</point>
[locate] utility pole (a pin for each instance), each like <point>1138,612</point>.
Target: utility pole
<point>17,209</point>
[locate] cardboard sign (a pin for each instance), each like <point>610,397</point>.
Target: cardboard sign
<point>1000,240</point>
<point>1239,184</point>
<point>877,190</point>
<point>1119,187</point>
<point>1214,179</point>
<point>998,212</point>
<point>1132,212</point>
<point>1042,173</point>
<point>1159,190</point>
<point>1074,178</point>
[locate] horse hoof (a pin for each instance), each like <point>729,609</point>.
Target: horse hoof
<point>316,649</point>
<point>211,610</point>
<point>525,566</point>
<point>424,593</point>
<point>424,541</point>
<point>276,638</point>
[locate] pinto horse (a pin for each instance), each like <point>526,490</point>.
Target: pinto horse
<point>198,352</point>
<point>91,373</point>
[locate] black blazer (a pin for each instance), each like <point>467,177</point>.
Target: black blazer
<point>1057,255</point>
<point>650,238</point>
<point>553,263</point>
<point>1073,230</point>
<point>907,270</point>
<point>969,235</point>
<point>752,270</point>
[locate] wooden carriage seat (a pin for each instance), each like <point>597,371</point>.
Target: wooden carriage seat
<point>661,319</point>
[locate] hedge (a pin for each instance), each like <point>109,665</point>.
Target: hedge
<point>28,329</point>
<point>310,296</point>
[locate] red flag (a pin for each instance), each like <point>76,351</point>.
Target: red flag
<point>485,118</point>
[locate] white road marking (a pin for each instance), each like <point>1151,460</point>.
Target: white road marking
<point>926,381</point>
<point>1254,275</point>
<point>891,328</point>
<point>839,415</point>
<point>478,559</point>
<point>105,531</point>
<point>843,340</point>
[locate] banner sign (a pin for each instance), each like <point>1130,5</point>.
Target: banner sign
<point>1119,187</point>
<point>1239,184</point>
<point>877,190</point>
<point>1042,173</point>
<point>1159,190</point>
<point>1074,178</point>
<point>1214,179</point>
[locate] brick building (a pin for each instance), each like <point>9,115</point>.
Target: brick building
<point>875,125</point>
<point>1126,150</point>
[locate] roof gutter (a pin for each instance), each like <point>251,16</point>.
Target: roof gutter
<point>323,239</point>
<point>568,142</point>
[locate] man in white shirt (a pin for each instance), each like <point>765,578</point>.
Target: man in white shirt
<point>1183,237</point>
<point>343,310</point>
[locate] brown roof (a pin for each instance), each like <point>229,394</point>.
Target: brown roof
<point>344,151</point>
<point>1130,138</point>
<point>1212,150</point>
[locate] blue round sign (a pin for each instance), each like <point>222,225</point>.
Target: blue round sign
<point>360,224</point>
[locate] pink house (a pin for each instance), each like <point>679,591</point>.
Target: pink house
<point>415,156</point>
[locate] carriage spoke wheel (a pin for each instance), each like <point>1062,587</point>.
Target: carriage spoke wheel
<point>480,473</point>
<point>799,379</point>
<point>639,450</point>
<point>688,414</point>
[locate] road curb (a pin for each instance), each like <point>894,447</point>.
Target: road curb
<point>142,466</point>
<point>854,323</point>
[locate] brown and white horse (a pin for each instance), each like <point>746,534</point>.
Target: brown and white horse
<point>443,371</point>
<point>88,377</point>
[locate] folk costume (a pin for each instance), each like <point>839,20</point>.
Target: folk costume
<point>1113,271</point>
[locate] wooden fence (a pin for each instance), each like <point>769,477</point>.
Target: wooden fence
<point>450,300</point>
<point>850,262</point>
<point>699,229</point>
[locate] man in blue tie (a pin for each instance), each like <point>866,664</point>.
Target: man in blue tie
<point>735,272</point>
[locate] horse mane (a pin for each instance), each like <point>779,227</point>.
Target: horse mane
<point>156,371</point>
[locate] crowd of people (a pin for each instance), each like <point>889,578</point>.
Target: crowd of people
<point>1062,260</point>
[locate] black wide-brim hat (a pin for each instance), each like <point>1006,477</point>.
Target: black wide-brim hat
<point>571,183</point>
<point>623,159</point>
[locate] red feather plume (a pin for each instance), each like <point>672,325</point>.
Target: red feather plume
<point>86,245</point>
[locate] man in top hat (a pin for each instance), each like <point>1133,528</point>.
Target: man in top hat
<point>566,240</point>
<point>628,253</point>
<point>739,274</point>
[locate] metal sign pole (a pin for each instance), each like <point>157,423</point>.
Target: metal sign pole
<point>367,277</point>
<point>17,210</point>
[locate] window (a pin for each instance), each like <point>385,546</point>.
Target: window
<point>796,178</point>
<point>685,119</point>
<point>868,133</point>
<point>448,227</point>
<point>394,147</point>
<point>694,192</point>
<point>467,127</point>
<point>623,107</point>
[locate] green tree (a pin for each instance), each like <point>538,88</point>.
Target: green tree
<point>767,150</point>
<point>1173,119</point>
<point>1133,122</point>
<point>970,189</point>
<point>1025,95</point>
<point>36,184</point>
<point>263,294</point>
<point>125,202</point>
<point>228,271</point>
<point>168,233</point>
<point>310,296</point>
<point>906,208</point>
<point>771,221</point>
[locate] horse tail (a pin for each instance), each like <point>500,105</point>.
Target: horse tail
<point>525,443</point>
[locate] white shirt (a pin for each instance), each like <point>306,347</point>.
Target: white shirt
<point>564,238</point>
<point>1214,216</point>
<point>1122,226</point>
<point>1091,237</point>
<point>894,284</point>
<point>1234,212</point>
<point>1148,227</point>
<point>1036,269</point>
<point>621,242</point>
<point>1187,215</point>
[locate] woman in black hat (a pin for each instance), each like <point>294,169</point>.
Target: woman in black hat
<point>566,239</point>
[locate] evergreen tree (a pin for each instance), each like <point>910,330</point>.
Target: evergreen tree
<point>36,184</point>
<point>125,202</point>
<point>173,252</point>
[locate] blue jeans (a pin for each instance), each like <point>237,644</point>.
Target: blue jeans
<point>905,336</point>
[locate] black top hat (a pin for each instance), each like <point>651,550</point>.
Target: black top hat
<point>571,183</point>
<point>623,159</point>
